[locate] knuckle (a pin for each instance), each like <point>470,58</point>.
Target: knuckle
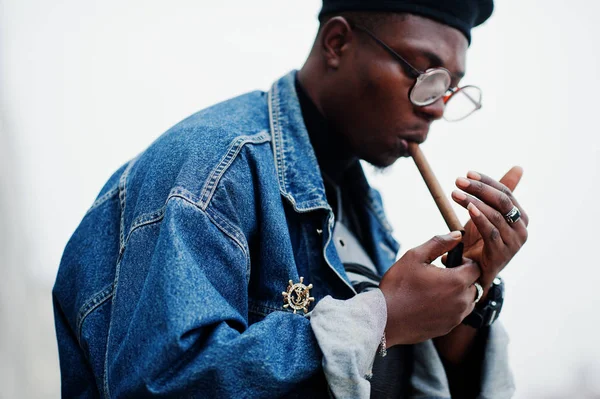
<point>494,234</point>
<point>459,287</point>
<point>505,190</point>
<point>439,240</point>
<point>497,219</point>
<point>411,253</point>
<point>463,281</point>
<point>505,202</point>
<point>478,187</point>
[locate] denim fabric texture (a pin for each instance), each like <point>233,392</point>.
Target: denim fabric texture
<point>171,285</point>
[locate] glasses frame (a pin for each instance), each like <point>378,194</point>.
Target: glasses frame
<point>420,76</point>
<point>455,90</point>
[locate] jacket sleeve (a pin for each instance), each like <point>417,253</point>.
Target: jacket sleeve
<point>349,333</point>
<point>179,324</point>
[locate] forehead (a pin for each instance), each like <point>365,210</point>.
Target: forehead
<point>420,36</point>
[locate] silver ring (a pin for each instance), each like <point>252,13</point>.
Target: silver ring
<point>513,216</point>
<point>479,291</point>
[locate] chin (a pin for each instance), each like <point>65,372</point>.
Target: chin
<point>383,160</point>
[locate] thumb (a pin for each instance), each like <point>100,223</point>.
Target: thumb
<point>469,270</point>
<point>437,246</point>
<point>512,177</point>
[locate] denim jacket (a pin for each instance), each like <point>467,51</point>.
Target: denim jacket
<point>172,283</point>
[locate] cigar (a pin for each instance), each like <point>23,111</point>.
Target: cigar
<point>434,187</point>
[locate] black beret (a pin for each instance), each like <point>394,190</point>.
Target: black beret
<point>460,14</point>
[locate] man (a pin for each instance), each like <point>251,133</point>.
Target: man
<point>193,272</point>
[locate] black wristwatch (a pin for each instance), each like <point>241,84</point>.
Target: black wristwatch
<point>486,313</point>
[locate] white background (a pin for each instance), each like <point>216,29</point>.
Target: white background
<point>86,85</point>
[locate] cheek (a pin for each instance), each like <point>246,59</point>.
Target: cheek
<point>387,92</point>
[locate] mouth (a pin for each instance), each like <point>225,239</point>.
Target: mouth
<point>418,138</point>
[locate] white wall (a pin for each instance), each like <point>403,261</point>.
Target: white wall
<point>86,85</point>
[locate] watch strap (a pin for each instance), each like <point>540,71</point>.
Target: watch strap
<point>487,313</point>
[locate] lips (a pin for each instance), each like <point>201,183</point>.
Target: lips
<point>404,145</point>
<point>418,137</point>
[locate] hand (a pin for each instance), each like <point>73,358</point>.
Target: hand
<point>489,239</point>
<point>425,301</point>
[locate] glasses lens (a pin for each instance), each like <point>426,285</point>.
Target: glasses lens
<point>432,85</point>
<point>462,103</point>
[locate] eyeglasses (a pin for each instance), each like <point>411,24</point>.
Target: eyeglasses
<point>433,84</point>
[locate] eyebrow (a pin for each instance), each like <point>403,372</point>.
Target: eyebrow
<point>435,60</point>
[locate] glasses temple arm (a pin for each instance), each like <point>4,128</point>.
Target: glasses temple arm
<point>414,70</point>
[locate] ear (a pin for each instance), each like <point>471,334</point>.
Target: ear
<point>336,38</point>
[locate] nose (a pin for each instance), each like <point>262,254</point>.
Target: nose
<point>433,111</point>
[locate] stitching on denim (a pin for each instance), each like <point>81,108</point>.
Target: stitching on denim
<point>112,309</point>
<point>262,310</point>
<point>94,302</point>
<point>234,233</point>
<point>219,221</point>
<point>217,173</point>
<point>152,217</point>
<point>180,192</point>
<point>274,116</point>
<point>108,195</point>
<point>122,200</point>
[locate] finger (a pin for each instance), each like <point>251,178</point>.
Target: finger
<point>500,198</point>
<point>468,272</point>
<point>437,246</point>
<point>512,178</point>
<point>507,184</point>
<point>513,235</point>
<point>489,233</point>
<point>473,296</point>
<point>486,193</point>
<point>508,234</point>
<point>444,259</point>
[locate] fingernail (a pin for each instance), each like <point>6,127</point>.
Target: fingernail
<point>456,234</point>
<point>462,182</point>
<point>459,195</point>
<point>473,175</point>
<point>473,209</point>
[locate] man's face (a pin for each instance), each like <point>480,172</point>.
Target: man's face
<point>370,103</point>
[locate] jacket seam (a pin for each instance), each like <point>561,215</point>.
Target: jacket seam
<point>101,200</point>
<point>219,170</point>
<point>262,310</point>
<point>151,218</point>
<point>94,302</point>
<point>274,115</point>
<point>122,202</point>
<point>232,232</point>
